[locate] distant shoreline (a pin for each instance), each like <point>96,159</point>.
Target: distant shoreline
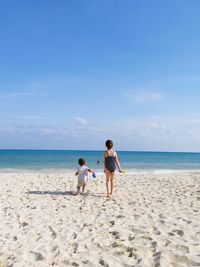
<point>97,171</point>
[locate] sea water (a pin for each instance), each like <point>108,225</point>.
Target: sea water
<point>131,161</point>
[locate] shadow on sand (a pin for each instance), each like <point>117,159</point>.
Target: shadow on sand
<point>57,193</point>
<point>65,193</point>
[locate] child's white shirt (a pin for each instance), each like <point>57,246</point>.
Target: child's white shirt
<point>82,175</point>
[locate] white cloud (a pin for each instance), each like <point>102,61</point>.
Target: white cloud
<point>147,133</point>
<point>143,96</point>
<point>13,95</point>
<point>80,120</point>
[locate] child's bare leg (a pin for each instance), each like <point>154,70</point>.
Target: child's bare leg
<point>107,187</point>
<point>111,182</point>
<point>107,182</point>
<point>78,190</point>
<point>83,189</point>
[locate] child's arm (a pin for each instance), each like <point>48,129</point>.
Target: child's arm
<point>90,170</point>
<point>117,162</point>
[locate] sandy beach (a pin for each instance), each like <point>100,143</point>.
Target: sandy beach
<point>152,220</point>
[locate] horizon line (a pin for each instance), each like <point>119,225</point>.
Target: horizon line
<point>98,150</point>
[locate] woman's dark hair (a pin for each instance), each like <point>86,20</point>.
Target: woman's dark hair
<point>109,144</point>
<point>81,161</point>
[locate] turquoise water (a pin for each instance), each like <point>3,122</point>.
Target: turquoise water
<point>61,159</point>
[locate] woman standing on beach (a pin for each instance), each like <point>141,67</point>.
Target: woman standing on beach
<point>110,162</point>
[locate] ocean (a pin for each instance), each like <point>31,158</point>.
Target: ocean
<point>37,160</point>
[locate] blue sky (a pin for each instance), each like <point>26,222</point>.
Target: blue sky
<point>75,73</point>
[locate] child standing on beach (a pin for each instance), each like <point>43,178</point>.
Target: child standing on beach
<point>82,173</point>
<point>110,162</point>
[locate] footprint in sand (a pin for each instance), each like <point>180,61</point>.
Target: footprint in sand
<point>74,235</point>
<point>120,216</point>
<point>112,222</point>
<point>103,263</point>
<point>131,252</point>
<point>115,245</point>
<point>154,244</point>
<point>53,233</point>
<point>179,232</point>
<point>37,256</point>
<point>131,238</point>
<point>115,234</point>
<point>156,259</point>
<point>182,248</point>
<point>75,247</point>
<point>156,231</point>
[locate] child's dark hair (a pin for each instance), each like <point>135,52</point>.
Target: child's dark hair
<point>81,161</point>
<point>109,144</point>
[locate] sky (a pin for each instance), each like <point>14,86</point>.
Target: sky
<point>75,73</point>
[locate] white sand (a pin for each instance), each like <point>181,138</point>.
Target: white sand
<point>153,220</point>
